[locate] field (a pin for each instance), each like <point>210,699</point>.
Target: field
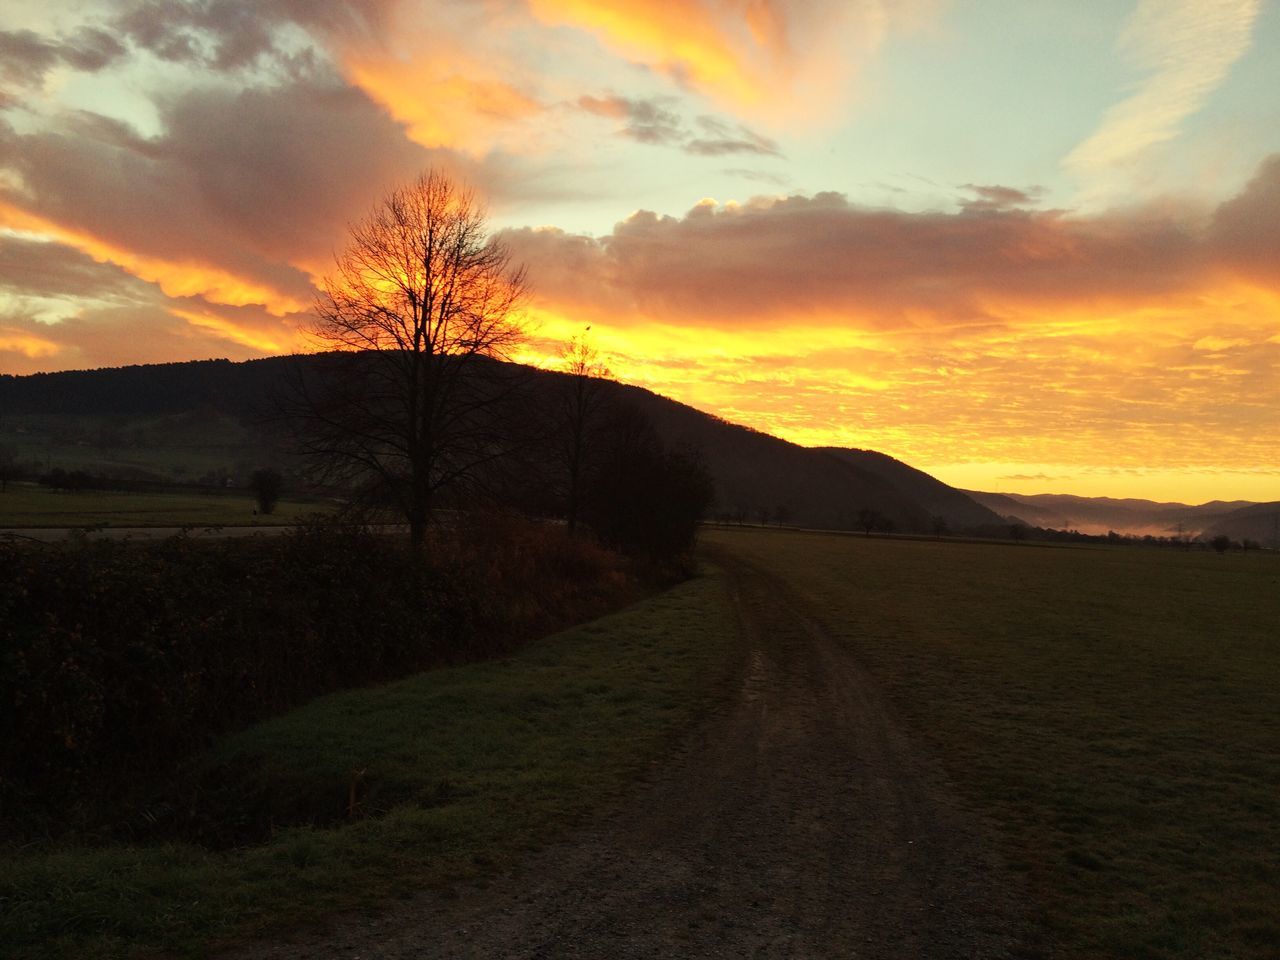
<point>1115,712</point>
<point>453,773</point>
<point>29,505</point>
<point>1109,715</point>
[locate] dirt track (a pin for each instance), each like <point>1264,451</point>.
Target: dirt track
<point>797,822</point>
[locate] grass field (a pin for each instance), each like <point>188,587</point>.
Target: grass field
<point>29,505</point>
<point>462,769</point>
<point>1115,711</point>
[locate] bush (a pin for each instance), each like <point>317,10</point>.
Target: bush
<point>648,499</point>
<point>116,659</point>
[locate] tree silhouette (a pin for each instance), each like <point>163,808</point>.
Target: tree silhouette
<point>266,485</point>
<point>869,520</point>
<point>8,464</point>
<point>418,302</point>
<point>650,498</point>
<point>583,405</point>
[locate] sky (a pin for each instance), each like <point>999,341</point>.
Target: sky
<point>1025,246</point>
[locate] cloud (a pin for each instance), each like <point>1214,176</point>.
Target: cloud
<point>1247,227</point>
<point>775,259</point>
<point>995,198</point>
<point>241,199</point>
<point>787,61</point>
<point>47,271</point>
<point>110,336</point>
<point>1186,48</point>
<point>231,35</point>
<point>653,121</point>
<point>26,56</point>
<point>720,138</point>
<point>644,120</point>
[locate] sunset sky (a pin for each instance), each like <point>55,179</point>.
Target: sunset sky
<point>1025,246</point>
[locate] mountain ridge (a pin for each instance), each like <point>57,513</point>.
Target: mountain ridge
<point>756,473</point>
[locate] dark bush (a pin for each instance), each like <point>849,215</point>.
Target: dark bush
<point>116,659</point>
<point>648,499</point>
<point>266,485</point>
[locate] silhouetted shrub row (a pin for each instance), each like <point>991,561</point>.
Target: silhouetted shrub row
<point>116,659</point>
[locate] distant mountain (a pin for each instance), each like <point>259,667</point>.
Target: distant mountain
<point>1259,522</point>
<point>1101,514</point>
<point>203,415</point>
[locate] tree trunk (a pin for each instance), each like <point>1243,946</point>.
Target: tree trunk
<point>417,530</point>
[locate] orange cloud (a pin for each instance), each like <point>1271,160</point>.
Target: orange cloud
<point>177,278</point>
<point>249,336</point>
<point>29,345</point>
<point>444,101</point>
<point>686,39</point>
<point>782,60</point>
<point>1137,341</point>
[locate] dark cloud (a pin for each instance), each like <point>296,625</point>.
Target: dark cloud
<point>26,56</point>
<point>995,198</point>
<point>646,121</point>
<point>1248,226</point>
<point>229,35</point>
<point>652,121</point>
<point>35,268</point>
<point>719,138</point>
<point>253,182</point>
<point>772,259</point>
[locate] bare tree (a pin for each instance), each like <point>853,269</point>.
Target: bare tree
<point>583,406</point>
<point>418,303</point>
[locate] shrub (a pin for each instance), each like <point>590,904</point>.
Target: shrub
<point>118,658</point>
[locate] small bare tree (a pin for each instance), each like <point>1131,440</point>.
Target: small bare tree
<point>419,303</point>
<point>584,402</point>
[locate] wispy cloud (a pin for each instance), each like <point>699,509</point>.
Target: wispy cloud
<point>652,121</point>
<point>1186,49</point>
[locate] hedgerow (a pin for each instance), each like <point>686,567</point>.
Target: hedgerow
<point>117,659</point>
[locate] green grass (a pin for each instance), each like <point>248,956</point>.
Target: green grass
<point>1116,711</point>
<point>464,767</point>
<point>28,505</point>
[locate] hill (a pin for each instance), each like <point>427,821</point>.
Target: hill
<point>204,419</point>
<point>1098,515</point>
<point>959,509</point>
<point>1257,521</point>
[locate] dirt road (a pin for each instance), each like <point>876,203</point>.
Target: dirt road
<point>797,822</point>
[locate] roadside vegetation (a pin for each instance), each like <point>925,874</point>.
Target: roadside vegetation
<point>119,659</point>
<point>1112,710</point>
<point>432,780</point>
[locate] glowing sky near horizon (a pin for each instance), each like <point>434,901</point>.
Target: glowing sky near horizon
<point>1026,247</point>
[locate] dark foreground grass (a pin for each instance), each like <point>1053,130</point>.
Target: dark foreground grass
<point>1115,710</point>
<point>452,772</point>
<point>28,505</point>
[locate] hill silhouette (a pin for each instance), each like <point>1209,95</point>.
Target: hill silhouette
<point>1097,515</point>
<point>146,417</point>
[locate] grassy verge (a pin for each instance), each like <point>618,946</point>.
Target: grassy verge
<point>28,505</point>
<point>454,771</point>
<point>1115,710</point>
